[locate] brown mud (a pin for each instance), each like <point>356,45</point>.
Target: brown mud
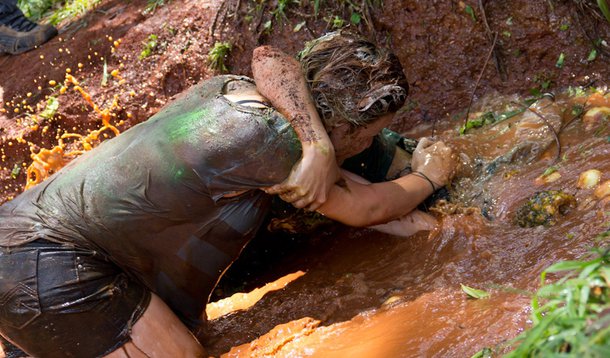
<point>363,293</point>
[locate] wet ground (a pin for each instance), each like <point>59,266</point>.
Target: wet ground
<point>365,293</point>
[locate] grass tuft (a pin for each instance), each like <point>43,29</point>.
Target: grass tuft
<point>218,55</point>
<point>571,316</point>
<point>55,11</point>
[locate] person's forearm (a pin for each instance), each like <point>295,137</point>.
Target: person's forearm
<point>360,205</point>
<point>279,78</point>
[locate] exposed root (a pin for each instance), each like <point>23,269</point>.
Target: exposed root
<point>491,50</point>
<point>589,19</point>
<point>222,13</point>
<point>490,36</point>
<point>549,125</point>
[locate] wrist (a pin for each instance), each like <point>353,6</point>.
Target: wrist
<point>435,186</point>
<point>321,147</point>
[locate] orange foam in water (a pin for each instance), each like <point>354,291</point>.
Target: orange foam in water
<point>48,161</point>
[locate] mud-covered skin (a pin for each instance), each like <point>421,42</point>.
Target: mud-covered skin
<point>278,78</point>
<point>545,208</point>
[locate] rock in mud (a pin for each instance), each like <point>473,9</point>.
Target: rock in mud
<point>545,208</point>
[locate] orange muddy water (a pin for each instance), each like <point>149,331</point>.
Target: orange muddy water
<point>366,294</point>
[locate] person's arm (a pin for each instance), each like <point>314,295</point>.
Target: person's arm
<point>279,78</point>
<point>357,204</point>
<point>406,225</point>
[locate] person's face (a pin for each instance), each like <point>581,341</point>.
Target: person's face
<point>350,141</point>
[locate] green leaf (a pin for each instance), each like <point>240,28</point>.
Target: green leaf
<point>592,55</point>
<point>51,108</point>
<point>566,266</point>
<point>564,27</point>
<point>316,7</point>
<point>299,26</point>
<point>468,9</point>
<point>474,293</point>
<point>549,171</point>
<point>560,60</point>
<point>603,6</point>
<point>483,353</point>
<point>15,172</point>
<point>355,18</point>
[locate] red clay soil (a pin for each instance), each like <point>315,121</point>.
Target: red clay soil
<point>441,46</point>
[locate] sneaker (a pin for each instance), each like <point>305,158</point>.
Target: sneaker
<point>18,34</point>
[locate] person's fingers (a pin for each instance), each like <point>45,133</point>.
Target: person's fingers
<point>316,202</point>
<point>300,203</point>
<point>289,196</point>
<point>276,189</point>
<point>305,201</point>
<point>424,143</point>
<point>314,206</point>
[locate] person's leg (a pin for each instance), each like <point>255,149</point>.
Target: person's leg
<point>159,333</point>
<point>10,350</point>
<point>17,33</point>
<point>59,301</point>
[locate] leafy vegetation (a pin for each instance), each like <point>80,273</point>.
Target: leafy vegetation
<point>337,14</point>
<point>571,316</point>
<point>149,46</point>
<point>218,55</point>
<point>474,293</point>
<point>152,5</point>
<point>51,108</point>
<point>604,8</point>
<point>489,118</point>
<point>55,11</point>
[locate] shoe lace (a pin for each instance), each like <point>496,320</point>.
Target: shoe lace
<point>15,19</point>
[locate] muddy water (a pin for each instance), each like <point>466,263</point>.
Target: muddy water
<point>366,294</point>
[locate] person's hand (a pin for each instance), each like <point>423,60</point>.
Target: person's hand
<point>311,178</point>
<point>434,160</point>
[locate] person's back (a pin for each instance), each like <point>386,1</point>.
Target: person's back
<point>152,199</point>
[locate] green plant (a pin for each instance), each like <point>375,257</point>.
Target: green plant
<point>218,55</point>
<point>152,5</point>
<point>604,8</point>
<point>149,46</point>
<point>55,11</point>
<point>280,9</point>
<point>51,108</point>
<point>571,317</point>
<point>35,9</point>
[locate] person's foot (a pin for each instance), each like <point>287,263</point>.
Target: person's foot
<point>18,34</point>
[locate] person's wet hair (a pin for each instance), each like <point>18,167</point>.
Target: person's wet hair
<point>351,79</point>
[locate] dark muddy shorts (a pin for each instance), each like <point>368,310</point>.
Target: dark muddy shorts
<point>59,301</point>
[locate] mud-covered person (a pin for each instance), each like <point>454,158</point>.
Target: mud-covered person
<point>116,254</point>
